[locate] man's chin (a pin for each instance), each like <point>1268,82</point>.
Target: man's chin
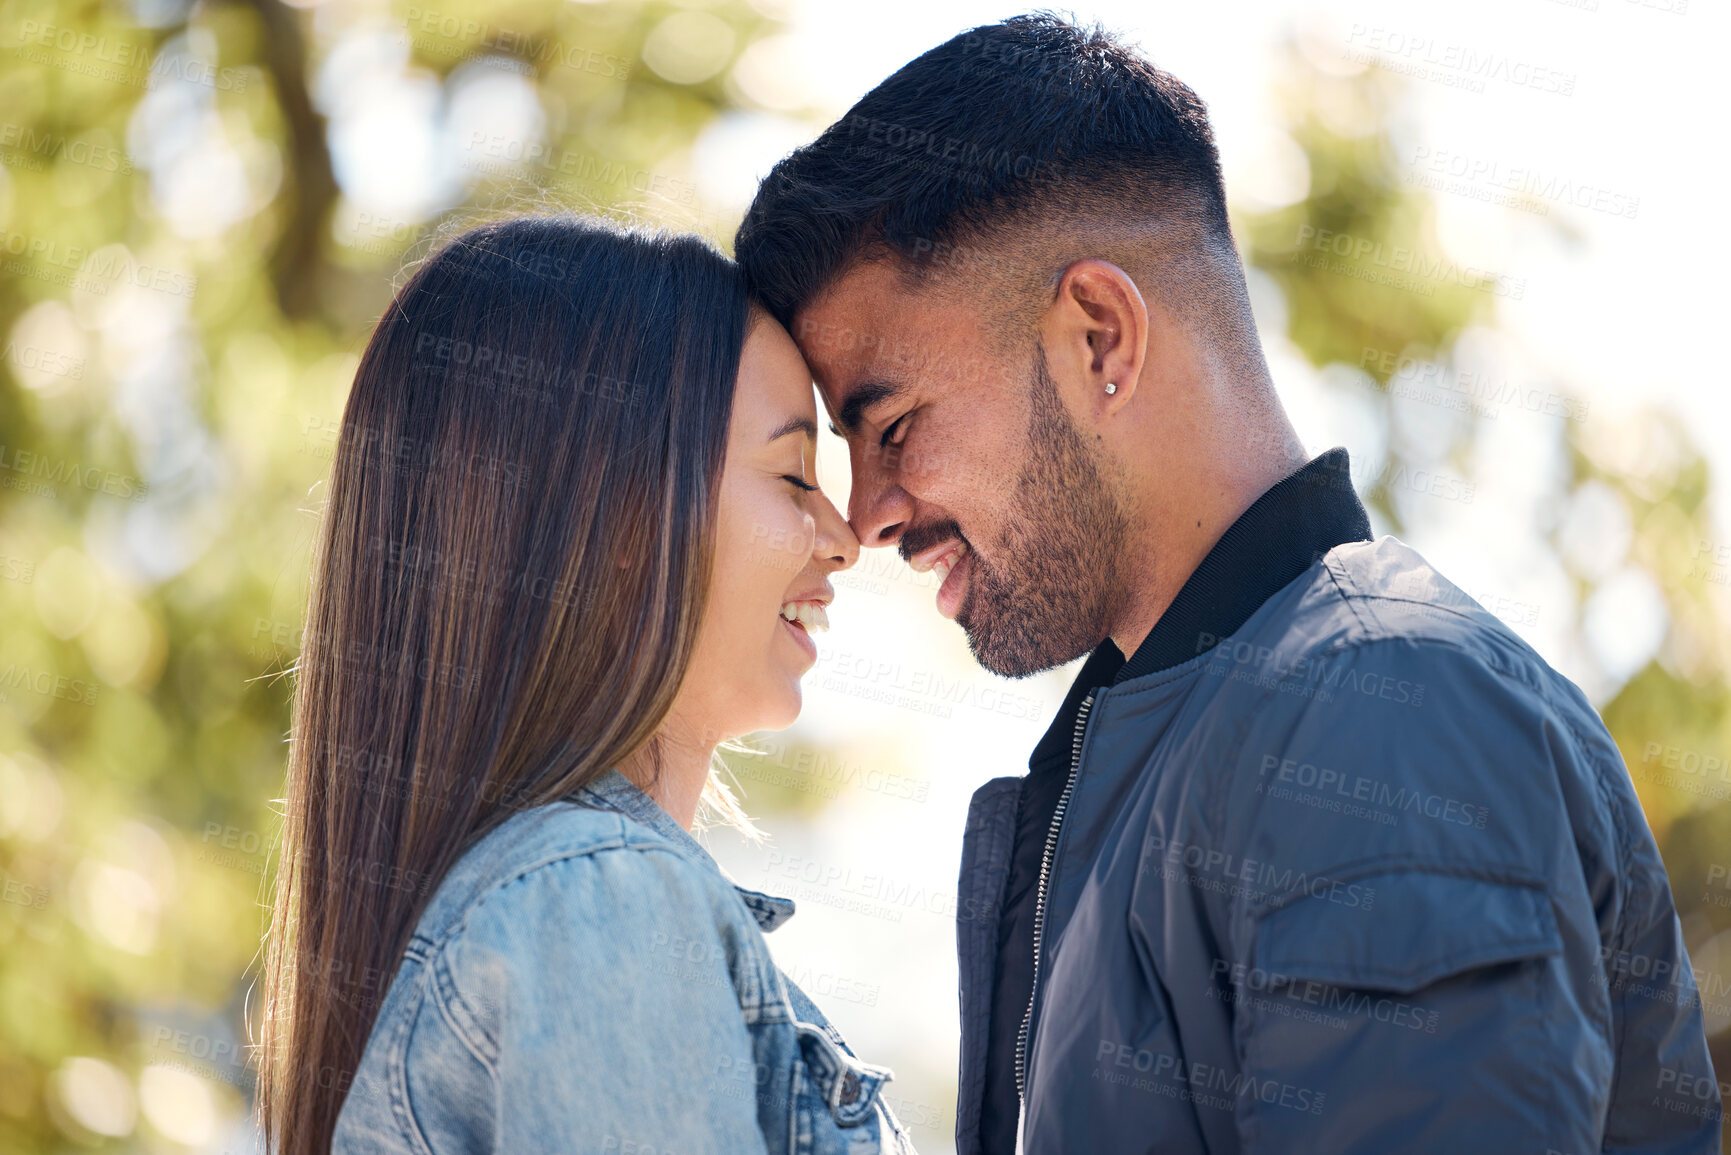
<point>1016,652</point>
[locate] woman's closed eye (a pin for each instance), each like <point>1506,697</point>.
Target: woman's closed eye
<point>800,481</point>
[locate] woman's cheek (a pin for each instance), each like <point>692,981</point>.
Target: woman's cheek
<point>788,537</point>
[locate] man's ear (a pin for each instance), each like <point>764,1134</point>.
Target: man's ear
<point>1096,337</point>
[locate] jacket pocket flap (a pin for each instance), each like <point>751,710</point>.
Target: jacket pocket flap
<point>1423,927</point>
<point>848,1086</point>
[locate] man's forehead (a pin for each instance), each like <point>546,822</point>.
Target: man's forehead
<point>848,321</point>
<point>872,321</point>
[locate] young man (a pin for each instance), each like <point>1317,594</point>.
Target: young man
<point>1317,855</point>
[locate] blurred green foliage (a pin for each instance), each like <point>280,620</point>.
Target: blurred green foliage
<point>187,280</point>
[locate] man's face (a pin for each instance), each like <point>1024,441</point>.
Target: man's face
<point>966,459</point>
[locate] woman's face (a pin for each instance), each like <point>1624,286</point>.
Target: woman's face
<point>777,542</point>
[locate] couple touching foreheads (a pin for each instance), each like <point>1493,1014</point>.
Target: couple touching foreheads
<point>1316,856</point>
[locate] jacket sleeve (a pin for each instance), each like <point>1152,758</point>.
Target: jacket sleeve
<point>592,1005</point>
<point>1415,962</point>
<point>1667,1097</point>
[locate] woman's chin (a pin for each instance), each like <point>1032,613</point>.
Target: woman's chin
<point>780,707</point>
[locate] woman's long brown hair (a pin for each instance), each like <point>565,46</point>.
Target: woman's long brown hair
<point>514,554</point>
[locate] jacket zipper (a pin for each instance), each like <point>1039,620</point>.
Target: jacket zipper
<point>1040,892</point>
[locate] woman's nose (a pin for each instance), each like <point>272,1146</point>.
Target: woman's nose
<point>835,546</point>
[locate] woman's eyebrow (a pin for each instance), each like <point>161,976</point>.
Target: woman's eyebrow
<point>800,424</point>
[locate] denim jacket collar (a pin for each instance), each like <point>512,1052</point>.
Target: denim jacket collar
<point>617,792</point>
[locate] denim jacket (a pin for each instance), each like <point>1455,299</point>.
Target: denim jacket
<point>585,979</point>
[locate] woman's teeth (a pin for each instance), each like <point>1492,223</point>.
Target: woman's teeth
<point>811,615</point>
<point>945,564</point>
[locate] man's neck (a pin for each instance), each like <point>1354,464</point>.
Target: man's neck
<point>1187,522</point>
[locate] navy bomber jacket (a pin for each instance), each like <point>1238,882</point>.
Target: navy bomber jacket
<point>1359,874</point>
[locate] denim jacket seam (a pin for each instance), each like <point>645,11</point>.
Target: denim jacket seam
<point>485,1048</point>
<point>402,1111</point>
<point>457,925</point>
<point>757,1000</point>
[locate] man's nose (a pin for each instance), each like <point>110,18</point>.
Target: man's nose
<point>878,506</point>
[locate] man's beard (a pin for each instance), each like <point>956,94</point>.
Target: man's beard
<point>1047,594</point>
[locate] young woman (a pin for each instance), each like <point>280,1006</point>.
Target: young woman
<point>572,541</point>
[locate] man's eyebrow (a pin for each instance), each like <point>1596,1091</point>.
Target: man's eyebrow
<point>863,397</point>
<point>803,425</point>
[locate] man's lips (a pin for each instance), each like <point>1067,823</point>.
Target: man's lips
<point>941,557</point>
<point>955,583</point>
<point>951,560</point>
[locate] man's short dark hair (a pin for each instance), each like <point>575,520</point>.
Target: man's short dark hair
<point>1032,124</point>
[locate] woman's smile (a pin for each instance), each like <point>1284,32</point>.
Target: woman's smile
<point>802,619</point>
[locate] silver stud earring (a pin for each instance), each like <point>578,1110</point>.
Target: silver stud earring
<point>1111,388</point>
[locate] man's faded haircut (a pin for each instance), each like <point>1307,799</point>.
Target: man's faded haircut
<point>1000,157</point>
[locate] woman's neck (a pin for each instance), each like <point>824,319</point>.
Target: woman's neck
<point>677,787</point>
